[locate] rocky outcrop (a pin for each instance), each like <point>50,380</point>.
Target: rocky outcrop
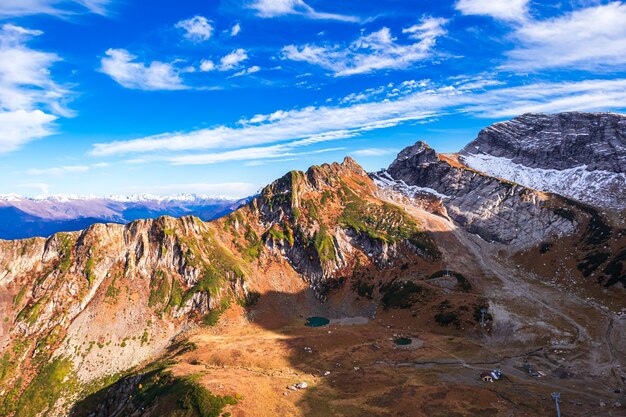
<point>578,155</point>
<point>110,297</point>
<point>496,210</point>
<point>318,221</point>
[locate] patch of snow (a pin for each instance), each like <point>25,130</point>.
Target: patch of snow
<point>384,180</point>
<point>599,188</point>
<point>10,197</point>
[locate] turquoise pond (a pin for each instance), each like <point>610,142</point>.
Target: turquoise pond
<point>316,321</point>
<point>403,341</point>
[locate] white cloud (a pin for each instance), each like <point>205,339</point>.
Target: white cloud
<point>120,65</point>
<point>29,99</point>
<point>20,127</point>
<point>428,29</point>
<point>207,65</point>
<point>15,8</point>
<point>235,30</point>
<point>408,102</point>
<point>593,38</point>
<point>551,97</point>
<point>197,28</point>
<point>373,152</point>
<point>511,10</point>
<point>247,71</point>
<point>274,8</point>
<point>232,60</point>
<point>247,154</point>
<point>68,169</point>
<point>375,51</point>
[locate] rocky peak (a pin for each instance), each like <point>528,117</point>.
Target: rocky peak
<point>577,155</point>
<point>353,166</point>
<point>557,141</point>
<point>495,209</point>
<point>418,154</point>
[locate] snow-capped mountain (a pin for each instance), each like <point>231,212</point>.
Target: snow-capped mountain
<point>22,217</point>
<point>577,155</point>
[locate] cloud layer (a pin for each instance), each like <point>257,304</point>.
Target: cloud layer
<point>274,8</point>
<point>411,101</point>
<point>512,10</point>
<point>593,39</point>
<point>14,8</point>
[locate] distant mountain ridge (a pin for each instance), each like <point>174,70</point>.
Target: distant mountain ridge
<point>24,217</point>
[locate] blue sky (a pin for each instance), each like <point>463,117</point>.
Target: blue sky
<point>221,97</point>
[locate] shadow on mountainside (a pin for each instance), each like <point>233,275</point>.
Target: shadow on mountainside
<point>353,366</point>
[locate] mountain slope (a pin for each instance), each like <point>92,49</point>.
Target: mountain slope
<point>521,219</point>
<point>180,317</point>
<point>577,155</point>
<point>495,209</point>
<point>103,300</point>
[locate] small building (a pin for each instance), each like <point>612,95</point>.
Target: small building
<point>486,377</point>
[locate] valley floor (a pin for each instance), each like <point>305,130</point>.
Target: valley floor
<point>353,370</point>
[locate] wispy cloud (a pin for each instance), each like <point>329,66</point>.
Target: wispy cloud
<point>232,60</point>
<point>122,66</point>
<point>196,29</point>
<point>235,30</point>
<point>593,38</point>
<point>29,98</point>
<point>511,10</point>
<point>68,169</point>
<point>226,189</point>
<point>15,8</point>
<point>286,130</point>
<point>246,154</point>
<point>274,8</point>
<point>247,71</point>
<point>373,52</point>
<point>374,152</point>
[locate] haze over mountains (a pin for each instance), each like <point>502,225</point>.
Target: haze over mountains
<point>22,217</point>
<point>169,316</point>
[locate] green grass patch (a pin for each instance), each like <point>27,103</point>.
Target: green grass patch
<point>19,297</point>
<point>324,245</point>
<point>160,288</point>
<point>66,252</point>
<point>89,271</point>
<point>54,380</point>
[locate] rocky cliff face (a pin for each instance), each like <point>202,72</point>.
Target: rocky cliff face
<point>496,210</point>
<point>327,219</point>
<point>578,155</point>
<point>93,303</point>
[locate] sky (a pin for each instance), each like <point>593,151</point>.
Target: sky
<point>102,97</point>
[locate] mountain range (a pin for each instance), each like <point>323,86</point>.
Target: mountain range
<point>421,278</point>
<point>22,217</point>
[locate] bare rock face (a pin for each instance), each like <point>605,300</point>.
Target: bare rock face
<point>109,297</point>
<point>578,155</point>
<point>496,210</point>
<point>314,220</point>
